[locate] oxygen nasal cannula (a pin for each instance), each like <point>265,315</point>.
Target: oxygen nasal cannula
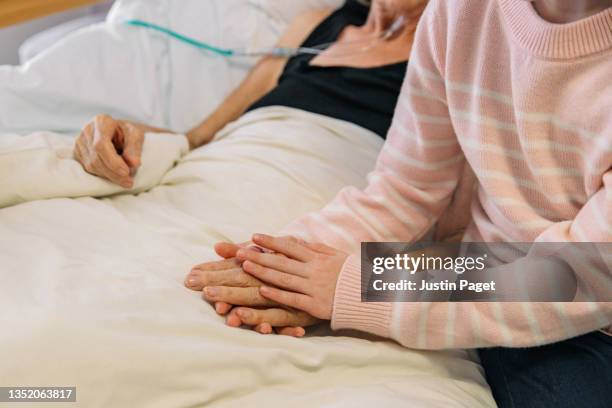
<point>395,27</point>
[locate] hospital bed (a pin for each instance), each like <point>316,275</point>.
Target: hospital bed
<point>92,294</point>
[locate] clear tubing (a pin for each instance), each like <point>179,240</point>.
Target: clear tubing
<point>395,27</point>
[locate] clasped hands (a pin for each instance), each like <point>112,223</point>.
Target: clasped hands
<point>286,287</point>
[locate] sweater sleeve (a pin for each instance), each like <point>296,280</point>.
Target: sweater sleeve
<point>479,324</point>
<point>592,224</point>
<point>518,324</point>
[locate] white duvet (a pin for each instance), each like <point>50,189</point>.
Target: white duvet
<point>92,290</point>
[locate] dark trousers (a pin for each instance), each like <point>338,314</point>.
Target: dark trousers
<point>574,373</point>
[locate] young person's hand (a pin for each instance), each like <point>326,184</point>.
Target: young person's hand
<point>305,279</point>
<point>110,149</point>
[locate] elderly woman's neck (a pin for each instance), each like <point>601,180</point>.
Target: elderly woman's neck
<point>567,11</point>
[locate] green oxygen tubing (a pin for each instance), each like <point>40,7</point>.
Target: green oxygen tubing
<point>395,27</point>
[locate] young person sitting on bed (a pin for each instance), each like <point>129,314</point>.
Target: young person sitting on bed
<point>520,91</point>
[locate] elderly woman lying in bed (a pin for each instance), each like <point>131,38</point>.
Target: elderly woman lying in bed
<point>357,80</point>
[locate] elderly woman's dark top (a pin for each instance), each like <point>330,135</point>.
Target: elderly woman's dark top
<point>363,96</point>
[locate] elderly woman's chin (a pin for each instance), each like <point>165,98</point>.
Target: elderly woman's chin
<point>392,8</point>
<point>398,5</point>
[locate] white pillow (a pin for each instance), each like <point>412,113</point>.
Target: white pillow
<point>133,73</point>
<point>287,10</point>
<point>200,81</point>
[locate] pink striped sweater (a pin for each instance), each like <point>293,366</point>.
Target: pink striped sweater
<point>528,105</point>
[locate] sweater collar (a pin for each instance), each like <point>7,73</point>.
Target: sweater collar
<point>558,41</point>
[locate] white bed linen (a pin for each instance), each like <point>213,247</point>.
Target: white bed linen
<point>92,290</point>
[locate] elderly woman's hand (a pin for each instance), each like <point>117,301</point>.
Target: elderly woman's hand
<point>110,149</point>
<point>225,284</point>
<point>304,279</point>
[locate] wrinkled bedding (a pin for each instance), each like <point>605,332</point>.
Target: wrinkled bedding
<point>92,290</point>
<point>41,166</point>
